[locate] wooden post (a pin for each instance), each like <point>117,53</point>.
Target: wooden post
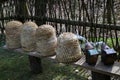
<point>40,11</point>
<point>99,76</point>
<point>22,10</point>
<point>35,64</point>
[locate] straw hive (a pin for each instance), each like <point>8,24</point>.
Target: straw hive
<point>68,49</point>
<point>12,30</point>
<point>28,31</point>
<point>46,40</point>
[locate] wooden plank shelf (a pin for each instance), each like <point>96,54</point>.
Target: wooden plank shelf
<point>113,70</point>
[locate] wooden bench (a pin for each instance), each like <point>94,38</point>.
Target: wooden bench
<point>99,71</point>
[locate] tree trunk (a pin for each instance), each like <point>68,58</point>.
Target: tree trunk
<point>40,11</point>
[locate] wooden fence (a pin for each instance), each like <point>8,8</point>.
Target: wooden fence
<point>97,20</point>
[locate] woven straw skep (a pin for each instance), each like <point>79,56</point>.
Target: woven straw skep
<point>13,29</point>
<point>28,31</point>
<point>68,49</point>
<point>46,40</point>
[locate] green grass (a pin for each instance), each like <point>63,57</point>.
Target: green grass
<point>108,41</point>
<point>15,66</point>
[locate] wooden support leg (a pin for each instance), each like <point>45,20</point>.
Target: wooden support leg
<point>35,64</point>
<point>99,76</point>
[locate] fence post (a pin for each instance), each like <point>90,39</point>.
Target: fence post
<point>21,10</point>
<point>40,11</point>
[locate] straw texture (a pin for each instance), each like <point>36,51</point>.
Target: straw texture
<point>28,31</point>
<point>12,30</point>
<point>68,49</point>
<point>46,40</point>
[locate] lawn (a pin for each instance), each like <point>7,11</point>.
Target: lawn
<point>15,66</point>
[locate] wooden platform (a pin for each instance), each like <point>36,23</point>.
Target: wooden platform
<point>113,70</point>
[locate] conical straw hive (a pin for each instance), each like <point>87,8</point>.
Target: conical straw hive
<point>12,30</point>
<point>68,49</point>
<point>46,40</point>
<point>28,31</point>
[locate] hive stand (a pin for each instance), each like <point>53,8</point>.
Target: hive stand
<point>35,64</point>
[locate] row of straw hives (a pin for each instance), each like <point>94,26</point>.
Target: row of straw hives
<point>43,40</point>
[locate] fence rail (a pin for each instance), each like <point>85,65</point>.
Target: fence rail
<point>63,21</point>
